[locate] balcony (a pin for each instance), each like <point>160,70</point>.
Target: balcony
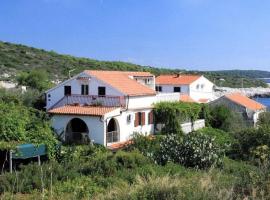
<point>92,100</point>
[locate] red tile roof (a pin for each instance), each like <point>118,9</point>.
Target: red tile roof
<point>186,98</point>
<point>122,82</point>
<point>203,100</point>
<point>245,101</point>
<point>82,110</point>
<point>176,79</point>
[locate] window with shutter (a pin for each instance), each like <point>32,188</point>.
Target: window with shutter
<point>136,121</point>
<point>151,117</point>
<point>142,118</point>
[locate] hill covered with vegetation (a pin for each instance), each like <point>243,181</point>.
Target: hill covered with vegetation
<point>17,58</point>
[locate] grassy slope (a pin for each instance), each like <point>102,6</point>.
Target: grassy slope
<point>15,58</point>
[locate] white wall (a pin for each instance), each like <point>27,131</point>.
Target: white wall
<point>141,101</point>
<point>57,93</point>
<point>95,126</point>
<point>198,124</point>
<point>127,129</point>
<point>169,88</point>
<point>143,80</point>
<point>204,91</point>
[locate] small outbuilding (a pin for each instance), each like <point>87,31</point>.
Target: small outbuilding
<point>242,104</point>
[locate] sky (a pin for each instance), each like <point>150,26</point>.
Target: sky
<point>184,34</point>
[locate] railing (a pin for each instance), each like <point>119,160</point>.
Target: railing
<point>167,97</point>
<point>112,136</point>
<point>92,100</point>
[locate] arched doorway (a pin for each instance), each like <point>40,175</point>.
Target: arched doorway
<point>113,131</point>
<point>77,132</point>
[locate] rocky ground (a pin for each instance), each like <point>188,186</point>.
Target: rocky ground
<point>251,92</point>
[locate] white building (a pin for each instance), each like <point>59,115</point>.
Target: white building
<point>192,87</point>
<point>104,106</point>
<point>246,107</point>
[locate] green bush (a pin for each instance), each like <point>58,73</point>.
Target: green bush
<point>222,117</point>
<point>33,177</point>
<point>26,125</point>
<point>248,140</point>
<point>36,79</point>
<point>172,114</point>
<point>264,119</point>
<point>148,146</point>
<point>79,188</point>
<point>222,138</point>
<point>192,150</point>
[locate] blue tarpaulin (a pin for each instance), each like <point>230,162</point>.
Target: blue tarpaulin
<point>25,151</point>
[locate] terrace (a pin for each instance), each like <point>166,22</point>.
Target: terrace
<point>91,100</point>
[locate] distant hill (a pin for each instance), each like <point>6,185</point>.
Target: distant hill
<point>244,73</point>
<point>15,58</point>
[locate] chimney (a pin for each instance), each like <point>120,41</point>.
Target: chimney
<point>177,75</point>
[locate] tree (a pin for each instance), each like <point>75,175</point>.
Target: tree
<point>36,79</point>
<point>264,119</point>
<point>224,118</point>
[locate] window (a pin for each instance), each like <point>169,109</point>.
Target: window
<point>84,89</point>
<point>101,91</point>
<point>139,119</point>
<point>147,81</point>
<point>128,118</point>
<point>202,86</point>
<point>198,86</point>
<point>158,88</point>
<point>67,90</point>
<point>176,89</point>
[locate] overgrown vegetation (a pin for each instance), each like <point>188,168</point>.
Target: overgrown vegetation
<point>21,124</point>
<point>173,114</point>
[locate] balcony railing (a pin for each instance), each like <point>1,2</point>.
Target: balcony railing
<point>112,136</point>
<point>92,100</point>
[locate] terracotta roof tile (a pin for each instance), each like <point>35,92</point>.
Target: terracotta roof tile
<point>186,98</point>
<point>245,101</point>
<point>122,82</point>
<point>176,80</point>
<point>203,100</point>
<point>82,110</point>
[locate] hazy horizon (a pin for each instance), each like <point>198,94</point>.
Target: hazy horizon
<point>203,35</point>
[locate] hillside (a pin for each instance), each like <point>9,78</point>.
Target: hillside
<point>15,58</point>
<point>244,73</point>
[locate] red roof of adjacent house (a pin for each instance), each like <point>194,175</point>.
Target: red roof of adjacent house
<point>82,110</point>
<point>176,79</point>
<point>186,98</point>
<point>245,101</point>
<point>203,100</point>
<point>123,82</point>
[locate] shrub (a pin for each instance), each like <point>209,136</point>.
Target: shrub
<point>78,188</point>
<point>224,118</point>
<point>107,163</point>
<point>80,153</point>
<point>172,114</point>
<point>26,125</point>
<point>264,119</point>
<point>147,145</point>
<point>33,177</point>
<point>222,138</point>
<point>193,150</point>
<point>248,140</point>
